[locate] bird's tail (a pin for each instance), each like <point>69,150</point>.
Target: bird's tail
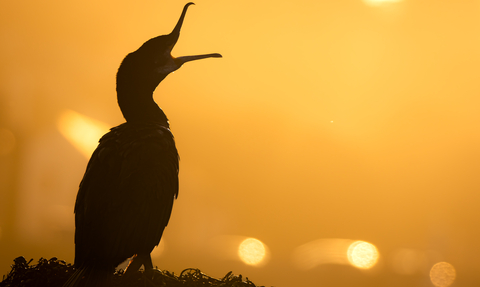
<point>90,276</point>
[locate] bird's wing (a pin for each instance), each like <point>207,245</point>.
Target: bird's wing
<point>126,196</point>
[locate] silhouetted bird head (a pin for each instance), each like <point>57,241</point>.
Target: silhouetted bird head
<point>141,71</point>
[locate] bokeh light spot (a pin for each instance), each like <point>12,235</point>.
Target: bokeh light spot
<point>251,251</point>
<point>81,131</point>
<point>362,254</point>
<point>442,274</point>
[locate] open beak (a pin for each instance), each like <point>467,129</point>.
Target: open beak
<point>175,34</point>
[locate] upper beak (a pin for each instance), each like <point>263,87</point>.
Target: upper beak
<point>175,34</point>
<point>176,31</point>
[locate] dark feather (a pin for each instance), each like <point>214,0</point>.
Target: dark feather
<point>126,196</point>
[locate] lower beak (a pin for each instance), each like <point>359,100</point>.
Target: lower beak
<point>184,59</point>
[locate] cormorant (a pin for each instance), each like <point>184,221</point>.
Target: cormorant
<point>126,195</point>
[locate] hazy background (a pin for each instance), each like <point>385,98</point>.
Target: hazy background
<point>325,121</point>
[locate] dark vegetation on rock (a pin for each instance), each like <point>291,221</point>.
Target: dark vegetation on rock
<point>54,273</point>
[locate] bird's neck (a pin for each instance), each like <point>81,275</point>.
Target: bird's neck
<point>140,107</point>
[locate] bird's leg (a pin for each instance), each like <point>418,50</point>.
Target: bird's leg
<point>147,263</point>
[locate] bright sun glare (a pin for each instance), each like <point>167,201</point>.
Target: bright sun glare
<point>362,254</point>
<point>81,131</point>
<point>379,2</point>
<point>251,251</point>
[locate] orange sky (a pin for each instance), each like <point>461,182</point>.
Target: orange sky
<point>324,119</point>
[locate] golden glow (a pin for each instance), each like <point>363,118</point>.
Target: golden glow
<point>362,254</point>
<point>442,274</point>
<point>379,2</point>
<point>408,261</point>
<point>255,134</point>
<point>251,251</point>
<point>81,131</point>
<point>158,250</point>
<point>7,141</point>
<point>322,251</point>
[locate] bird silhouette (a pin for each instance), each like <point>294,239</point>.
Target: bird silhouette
<point>126,196</point>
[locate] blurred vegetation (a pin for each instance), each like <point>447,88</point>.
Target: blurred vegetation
<point>54,273</point>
